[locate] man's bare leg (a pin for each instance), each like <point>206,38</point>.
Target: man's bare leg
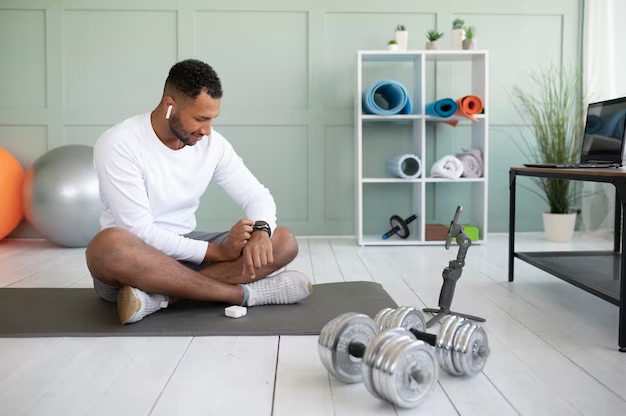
<point>120,258</point>
<point>284,248</point>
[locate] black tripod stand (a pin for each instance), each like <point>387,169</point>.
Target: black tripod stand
<point>452,273</point>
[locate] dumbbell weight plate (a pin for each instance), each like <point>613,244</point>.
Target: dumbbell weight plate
<point>381,362</point>
<point>450,324</point>
<point>412,373</point>
<point>381,317</point>
<point>335,339</point>
<point>471,349</point>
<point>405,317</point>
<point>373,353</point>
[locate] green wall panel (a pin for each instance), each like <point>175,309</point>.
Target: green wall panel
<point>70,69</point>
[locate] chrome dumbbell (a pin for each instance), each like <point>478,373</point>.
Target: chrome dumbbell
<point>395,366</point>
<point>462,347</point>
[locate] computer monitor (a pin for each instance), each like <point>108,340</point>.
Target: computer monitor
<point>603,138</point>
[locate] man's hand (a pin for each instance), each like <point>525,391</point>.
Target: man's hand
<point>231,246</point>
<point>257,253</point>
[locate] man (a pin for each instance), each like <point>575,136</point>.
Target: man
<point>152,170</point>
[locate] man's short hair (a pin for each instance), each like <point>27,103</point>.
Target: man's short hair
<point>191,76</point>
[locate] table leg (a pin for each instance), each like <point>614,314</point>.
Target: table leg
<point>618,223</point>
<point>620,187</point>
<point>512,179</point>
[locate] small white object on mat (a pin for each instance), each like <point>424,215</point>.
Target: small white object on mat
<point>236,311</point>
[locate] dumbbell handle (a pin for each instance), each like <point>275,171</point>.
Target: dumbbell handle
<point>430,339</point>
<point>356,349</point>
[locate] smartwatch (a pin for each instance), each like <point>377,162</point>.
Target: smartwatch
<point>262,226</point>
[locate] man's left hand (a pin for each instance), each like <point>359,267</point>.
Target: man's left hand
<point>257,253</point>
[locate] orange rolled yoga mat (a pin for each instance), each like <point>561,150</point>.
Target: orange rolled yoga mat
<point>468,106</point>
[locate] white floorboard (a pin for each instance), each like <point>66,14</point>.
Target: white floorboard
<point>554,346</point>
<point>222,376</point>
<point>298,366</point>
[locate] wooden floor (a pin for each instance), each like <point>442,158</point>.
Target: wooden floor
<point>554,347</point>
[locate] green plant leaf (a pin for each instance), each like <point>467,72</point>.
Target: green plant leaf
<point>552,107</point>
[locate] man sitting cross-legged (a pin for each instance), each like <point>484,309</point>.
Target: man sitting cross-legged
<point>152,170</point>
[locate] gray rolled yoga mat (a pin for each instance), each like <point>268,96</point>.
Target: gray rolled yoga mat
<point>45,312</point>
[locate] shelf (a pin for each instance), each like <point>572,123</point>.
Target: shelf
<point>446,180</point>
<point>597,272</point>
<point>377,240</point>
<point>391,180</point>
<point>397,117</point>
<point>379,194</point>
<point>414,55</point>
<point>427,180</point>
<point>440,119</point>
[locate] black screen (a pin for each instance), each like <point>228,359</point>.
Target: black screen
<point>604,131</point>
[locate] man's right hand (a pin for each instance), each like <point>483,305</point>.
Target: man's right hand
<point>233,244</point>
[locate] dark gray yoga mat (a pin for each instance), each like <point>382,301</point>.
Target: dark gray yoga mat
<point>44,312</point>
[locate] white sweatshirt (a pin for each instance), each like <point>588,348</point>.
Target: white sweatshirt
<point>154,191</point>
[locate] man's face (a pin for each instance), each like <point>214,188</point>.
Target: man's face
<point>193,119</point>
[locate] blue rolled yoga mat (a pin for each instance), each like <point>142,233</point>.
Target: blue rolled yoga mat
<point>393,93</point>
<point>442,108</point>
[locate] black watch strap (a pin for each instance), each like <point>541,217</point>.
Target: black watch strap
<point>262,226</point>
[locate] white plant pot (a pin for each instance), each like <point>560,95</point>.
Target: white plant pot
<point>470,44</point>
<point>458,36</point>
<point>432,45</point>
<point>393,47</point>
<point>402,37</point>
<point>559,227</point>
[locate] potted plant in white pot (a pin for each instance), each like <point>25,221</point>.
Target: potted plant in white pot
<point>433,36</point>
<point>458,34</point>
<point>402,37</point>
<point>470,40</point>
<point>553,109</point>
<point>392,45</point>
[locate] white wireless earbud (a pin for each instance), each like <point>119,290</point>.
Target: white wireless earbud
<point>169,112</point>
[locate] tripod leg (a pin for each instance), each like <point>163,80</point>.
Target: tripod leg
<point>437,318</point>
<point>471,317</point>
<point>431,310</point>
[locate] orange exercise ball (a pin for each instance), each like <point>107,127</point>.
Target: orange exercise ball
<point>11,180</point>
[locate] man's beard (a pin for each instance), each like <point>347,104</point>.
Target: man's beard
<point>178,131</point>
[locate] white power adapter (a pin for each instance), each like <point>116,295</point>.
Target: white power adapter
<point>236,311</point>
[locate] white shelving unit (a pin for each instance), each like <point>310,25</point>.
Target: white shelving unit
<point>479,62</point>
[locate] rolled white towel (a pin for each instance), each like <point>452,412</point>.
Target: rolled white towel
<point>472,163</point>
<point>447,167</point>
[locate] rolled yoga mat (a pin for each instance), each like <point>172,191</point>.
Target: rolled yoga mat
<point>82,313</point>
<point>442,108</point>
<point>394,96</point>
<point>469,106</point>
<point>404,166</point>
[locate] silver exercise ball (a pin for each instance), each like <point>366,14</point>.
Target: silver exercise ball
<point>61,197</point>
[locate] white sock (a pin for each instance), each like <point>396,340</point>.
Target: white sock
<point>285,287</point>
<point>133,304</point>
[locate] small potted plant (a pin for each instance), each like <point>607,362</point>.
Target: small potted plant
<point>458,34</point>
<point>470,41</point>
<point>392,45</point>
<point>402,37</point>
<point>433,36</point>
